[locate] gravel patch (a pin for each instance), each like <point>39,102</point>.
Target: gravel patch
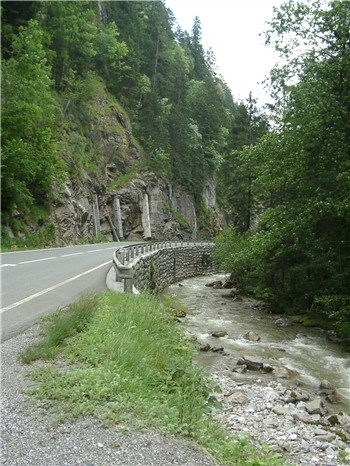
<point>28,435</point>
<point>268,415</point>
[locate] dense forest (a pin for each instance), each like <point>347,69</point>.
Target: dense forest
<point>296,179</point>
<point>283,181</point>
<point>182,112</point>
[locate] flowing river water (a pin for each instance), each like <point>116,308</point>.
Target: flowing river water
<point>283,343</point>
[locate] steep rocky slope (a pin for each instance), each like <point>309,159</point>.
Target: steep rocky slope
<point>110,194</point>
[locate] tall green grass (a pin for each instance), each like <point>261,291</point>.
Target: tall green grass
<point>122,359</point>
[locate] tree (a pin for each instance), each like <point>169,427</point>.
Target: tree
<point>301,171</point>
<point>73,29</point>
<point>28,150</point>
<point>248,125</point>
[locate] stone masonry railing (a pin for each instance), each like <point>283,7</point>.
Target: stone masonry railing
<point>153,266</point>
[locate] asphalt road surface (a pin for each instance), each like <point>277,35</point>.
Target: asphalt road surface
<point>36,282</point>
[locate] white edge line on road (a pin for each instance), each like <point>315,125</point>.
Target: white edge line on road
<point>37,260</point>
<point>61,248</point>
<point>8,265</point>
<point>51,288</point>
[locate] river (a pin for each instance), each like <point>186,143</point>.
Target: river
<point>283,343</point>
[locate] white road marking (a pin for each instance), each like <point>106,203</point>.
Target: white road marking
<point>73,254</point>
<point>37,260</point>
<point>51,288</point>
<point>93,250</point>
<point>8,265</point>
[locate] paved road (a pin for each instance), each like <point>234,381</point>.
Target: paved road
<point>36,282</point>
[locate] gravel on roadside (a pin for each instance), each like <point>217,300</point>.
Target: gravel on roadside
<point>29,437</point>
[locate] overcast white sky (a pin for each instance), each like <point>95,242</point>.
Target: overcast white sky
<point>231,28</point>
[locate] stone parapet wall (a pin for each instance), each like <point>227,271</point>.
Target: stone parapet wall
<point>156,270</point>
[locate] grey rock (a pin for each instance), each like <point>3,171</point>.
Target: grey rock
<point>315,407</point>
<point>251,336</point>
<point>219,333</point>
<point>325,384</point>
<point>205,347</point>
<point>219,349</point>
<point>240,369</point>
<point>251,365</point>
<point>333,398</point>
<point>237,398</point>
<point>280,410</point>
<point>284,373</point>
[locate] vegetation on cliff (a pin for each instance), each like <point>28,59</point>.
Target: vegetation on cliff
<point>60,57</point>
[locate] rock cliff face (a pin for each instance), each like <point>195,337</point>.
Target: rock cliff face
<point>90,207</point>
<point>145,208</point>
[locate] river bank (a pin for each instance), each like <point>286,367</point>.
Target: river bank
<point>289,405</point>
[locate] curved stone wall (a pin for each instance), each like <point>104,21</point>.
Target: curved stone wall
<point>156,270</point>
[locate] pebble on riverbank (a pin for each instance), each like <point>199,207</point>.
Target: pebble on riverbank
<point>298,431</point>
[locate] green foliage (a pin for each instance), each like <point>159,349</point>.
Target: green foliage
<point>126,361</point>
<point>237,169</point>
<point>73,30</point>
<point>29,158</point>
<point>177,216</point>
<point>337,309</point>
<point>124,180</point>
<point>110,54</point>
<point>60,326</point>
<point>204,221</point>
<point>45,236</point>
<point>298,254</point>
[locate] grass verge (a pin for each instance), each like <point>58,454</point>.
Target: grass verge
<point>122,358</point>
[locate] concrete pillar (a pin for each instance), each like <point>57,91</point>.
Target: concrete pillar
<point>128,285</point>
<point>145,218</point>
<point>118,217</point>
<point>96,215</point>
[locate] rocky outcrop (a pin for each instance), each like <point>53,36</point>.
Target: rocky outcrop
<point>146,208</point>
<point>152,208</point>
<point>143,206</point>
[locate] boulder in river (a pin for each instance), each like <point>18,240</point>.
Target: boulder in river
<point>333,398</point>
<point>216,284</point>
<point>180,313</point>
<point>251,336</point>
<point>228,283</point>
<point>251,365</point>
<point>219,333</point>
<point>219,349</point>
<point>266,368</point>
<point>240,369</point>
<point>283,323</point>
<point>326,385</point>
<point>284,372</point>
<point>205,347</point>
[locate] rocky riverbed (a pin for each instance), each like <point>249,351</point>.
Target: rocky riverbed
<point>292,422</point>
<point>265,394</point>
